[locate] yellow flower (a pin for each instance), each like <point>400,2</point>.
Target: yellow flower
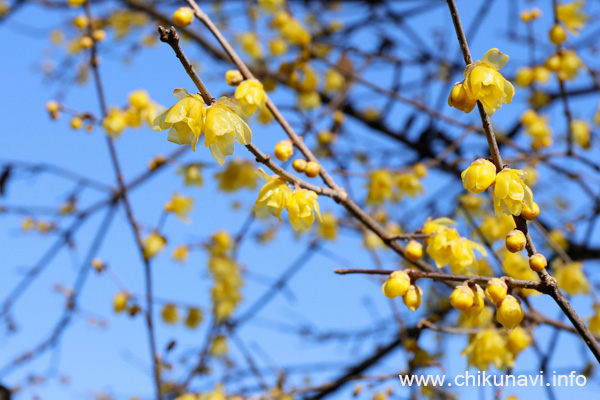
<point>483,82</point>
<point>300,206</point>
<point>251,95</point>
<point>447,247</point>
<point>412,298</point>
<point>460,100</point>
<point>114,123</point>
<point>595,321</point>
<point>308,100</point>
<point>479,176</point>
<point>233,77</point>
<point>524,76</point>
<point>334,81</point>
<point>510,192</point>
<point>271,6</point>
<point>273,196</point>
<point>192,174</point>
<point>381,185</point>
<point>518,340</point>
<point>295,33</point>
<point>169,314</point>
<point>120,302</point>
<point>250,44</point>
<point>516,266</point>
<point>222,126</point>
<point>495,228</point>
<point>571,278</point>
<point>221,242</point>
<point>184,120</point>
<point>183,16</point>
<point>180,254</point>
<point>236,175</point>
<point>537,127</point>
<point>485,348</point>
<point>571,15</point>
<point>193,318</point>
<point>581,133</point>
<point>278,47</point>
<point>409,184</point>
<point>509,312</point>
<point>413,250</point>
<point>462,297</point>
<point>219,346</point>
<point>397,284</point>
<point>439,224</point>
<point>496,290</point>
<point>181,206</point>
<point>328,226</point>
<point>153,244</point>
<point>569,65</point>
<point>27,224</point>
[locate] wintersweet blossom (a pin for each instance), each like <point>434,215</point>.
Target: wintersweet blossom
<point>250,95</point>
<point>302,206</point>
<point>273,196</point>
<point>184,120</point>
<point>222,127</point>
<point>571,15</point>
<point>483,82</point>
<point>478,176</point>
<point>181,206</point>
<point>511,191</point>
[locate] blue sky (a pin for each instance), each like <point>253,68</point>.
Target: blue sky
<point>116,359</point>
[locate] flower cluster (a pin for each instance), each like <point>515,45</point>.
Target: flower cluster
<point>276,195</point>
<point>536,126</point>
<point>220,123</point>
<point>225,272</point>
<point>385,185</point>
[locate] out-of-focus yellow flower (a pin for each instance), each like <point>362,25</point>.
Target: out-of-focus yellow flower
<point>300,206</point>
<point>571,279</point>
<point>114,123</point>
<point>572,15</point>
<point>222,127</point>
<point>516,266</point>
<point>180,253</point>
<point>153,244</point>
<point>184,120</point>
<point>483,82</point>
<point>407,183</point>
<point>273,196</point>
<point>170,314</point>
<point>436,225</point>
<point>183,16</point>
<point>460,100</point>
<point>566,64</point>
<point>181,206</point>
<point>471,202</point>
<point>221,242</point>
<point>250,44</point>
<point>328,226</point>
<point>595,321</point>
<point>219,346</point>
<point>518,340</point>
<point>271,6</point>
<point>537,127</point>
<point>236,175</point>
<point>226,293</point>
<point>478,321</point>
<point>559,238</point>
<point>446,246</point>
<point>334,81</point>
<point>581,133</point>
<point>192,175</point>
<point>510,192</point>
<point>75,3</point>
<point>487,347</point>
<point>478,176</point>
<point>278,47</point>
<point>250,95</point>
<point>27,224</point>
<point>381,186</point>
<point>371,241</point>
<point>308,100</point>
<point>193,318</point>
<point>120,302</point>
<point>496,228</point>
<point>294,32</point>
<point>509,312</point>
<point>284,149</point>
<point>530,15</point>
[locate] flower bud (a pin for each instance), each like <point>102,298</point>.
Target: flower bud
<point>396,285</point>
<point>412,299</point>
<point>496,290</point>
<point>86,42</point>
<point>462,297</point>
<point>460,100</point>
<point>537,262</point>
<point>233,77</point>
<point>81,21</point>
<point>557,35</point>
<point>313,169</point>
<point>553,62</point>
<point>509,312</point>
<point>479,176</point>
<point>76,123</point>
<point>284,150</point>
<point>120,302</point>
<point>478,302</point>
<point>413,250</point>
<point>515,241</point>
<point>299,164</point>
<point>99,35</point>
<point>420,170</point>
<point>183,16</point>
<point>530,213</point>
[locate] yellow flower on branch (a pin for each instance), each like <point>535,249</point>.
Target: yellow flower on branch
<point>153,244</point>
<point>250,95</point>
<point>511,191</point>
<point>114,123</point>
<point>381,186</point>
<point>483,82</point>
<point>273,196</point>
<point>302,206</point>
<point>571,278</point>
<point>478,176</point>
<point>572,15</point>
<point>488,347</point>
<point>460,100</point>
<point>222,127</point>
<point>184,120</point>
